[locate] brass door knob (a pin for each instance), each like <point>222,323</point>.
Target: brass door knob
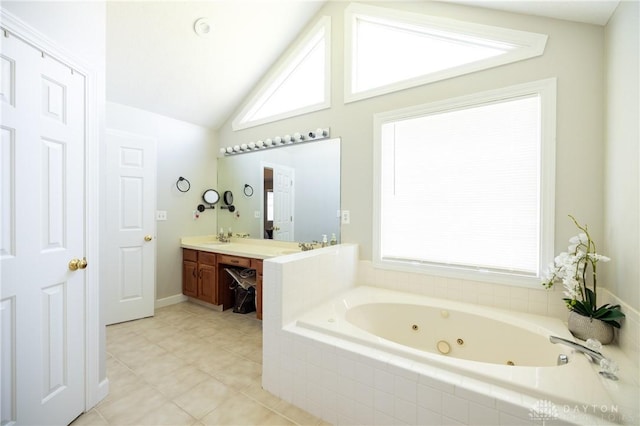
<point>148,238</point>
<point>75,264</point>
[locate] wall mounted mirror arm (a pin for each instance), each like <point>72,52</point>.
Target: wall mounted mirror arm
<point>227,198</point>
<point>211,197</point>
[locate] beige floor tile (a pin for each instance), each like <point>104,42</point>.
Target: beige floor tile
<point>159,365</point>
<point>169,414</point>
<point>179,341</point>
<point>161,333</point>
<point>138,357</point>
<point>194,308</point>
<point>189,365</point>
<point>127,409</point>
<point>243,410</point>
<point>239,374</point>
<point>214,361</point>
<point>179,381</point>
<point>295,414</point>
<point>204,397</point>
<point>91,418</point>
<point>147,324</point>
<point>255,391</point>
<point>132,343</point>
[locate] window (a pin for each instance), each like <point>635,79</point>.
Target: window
<point>466,186</point>
<point>389,50</point>
<point>300,84</point>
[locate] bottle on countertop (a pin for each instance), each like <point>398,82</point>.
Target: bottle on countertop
<point>334,240</point>
<point>324,240</point>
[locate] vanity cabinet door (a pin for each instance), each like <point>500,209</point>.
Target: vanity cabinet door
<point>199,275</point>
<point>207,284</point>
<point>189,273</point>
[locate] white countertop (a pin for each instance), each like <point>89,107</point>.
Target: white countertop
<point>245,247</point>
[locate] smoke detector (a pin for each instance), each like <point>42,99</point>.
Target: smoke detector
<point>203,27</point>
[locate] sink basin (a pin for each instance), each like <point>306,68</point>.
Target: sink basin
<point>288,251</point>
<point>213,243</point>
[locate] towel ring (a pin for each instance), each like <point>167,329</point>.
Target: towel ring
<point>248,190</point>
<point>182,186</point>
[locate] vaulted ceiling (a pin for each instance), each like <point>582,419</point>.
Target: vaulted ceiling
<point>157,62</point>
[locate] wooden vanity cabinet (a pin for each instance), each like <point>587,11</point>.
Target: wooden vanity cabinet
<point>204,277</point>
<point>199,275</point>
<point>190,273</point>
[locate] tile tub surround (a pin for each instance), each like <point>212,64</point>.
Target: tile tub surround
<point>340,382</point>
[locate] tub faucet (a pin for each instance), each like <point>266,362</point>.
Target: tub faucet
<point>609,368</point>
<point>595,356</point>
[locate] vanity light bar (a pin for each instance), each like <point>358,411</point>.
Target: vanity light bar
<point>277,141</point>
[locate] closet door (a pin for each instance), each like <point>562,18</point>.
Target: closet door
<point>42,298</point>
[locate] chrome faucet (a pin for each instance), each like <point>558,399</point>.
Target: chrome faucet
<point>223,238</point>
<point>306,246</point>
<point>609,367</point>
<point>594,356</point>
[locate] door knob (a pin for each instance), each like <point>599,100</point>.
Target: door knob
<point>75,264</point>
<point>148,238</point>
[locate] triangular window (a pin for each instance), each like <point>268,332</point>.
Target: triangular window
<point>298,85</point>
<point>392,50</point>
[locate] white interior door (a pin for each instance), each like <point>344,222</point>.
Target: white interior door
<point>130,217</point>
<point>42,301</point>
<point>283,191</point>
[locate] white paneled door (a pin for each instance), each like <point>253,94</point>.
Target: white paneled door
<point>130,218</point>
<point>283,191</point>
<point>42,298</point>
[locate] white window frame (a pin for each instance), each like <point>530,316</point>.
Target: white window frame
<point>546,89</point>
<point>528,45</point>
<point>281,72</point>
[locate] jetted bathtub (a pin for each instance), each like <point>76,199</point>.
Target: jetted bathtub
<point>502,349</point>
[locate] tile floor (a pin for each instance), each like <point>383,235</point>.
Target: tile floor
<point>189,365</point>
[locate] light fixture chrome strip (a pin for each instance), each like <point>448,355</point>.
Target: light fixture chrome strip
<point>277,141</point>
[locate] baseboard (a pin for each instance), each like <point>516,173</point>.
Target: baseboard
<point>171,300</point>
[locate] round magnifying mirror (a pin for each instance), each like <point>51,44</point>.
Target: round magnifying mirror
<point>211,196</point>
<point>228,198</point>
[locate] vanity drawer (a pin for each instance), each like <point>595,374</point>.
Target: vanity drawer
<point>207,258</point>
<point>234,260</point>
<point>191,255</point>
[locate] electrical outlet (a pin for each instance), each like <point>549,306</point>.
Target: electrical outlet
<point>161,215</point>
<point>345,217</point>
<point>256,214</point>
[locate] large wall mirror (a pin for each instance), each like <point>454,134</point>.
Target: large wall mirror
<point>290,193</point>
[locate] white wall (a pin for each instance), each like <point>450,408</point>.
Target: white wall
<point>622,153</point>
<point>183,149</point>
<point>64,21</point>
<point>574,55</point>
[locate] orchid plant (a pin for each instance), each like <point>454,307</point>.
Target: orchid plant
<point>570,268</point>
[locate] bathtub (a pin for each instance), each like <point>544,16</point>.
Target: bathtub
<point>502,355</point>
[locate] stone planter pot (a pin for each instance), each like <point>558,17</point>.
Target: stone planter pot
<point>588,328</point>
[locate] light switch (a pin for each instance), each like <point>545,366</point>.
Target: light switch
<point>346,217</point>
